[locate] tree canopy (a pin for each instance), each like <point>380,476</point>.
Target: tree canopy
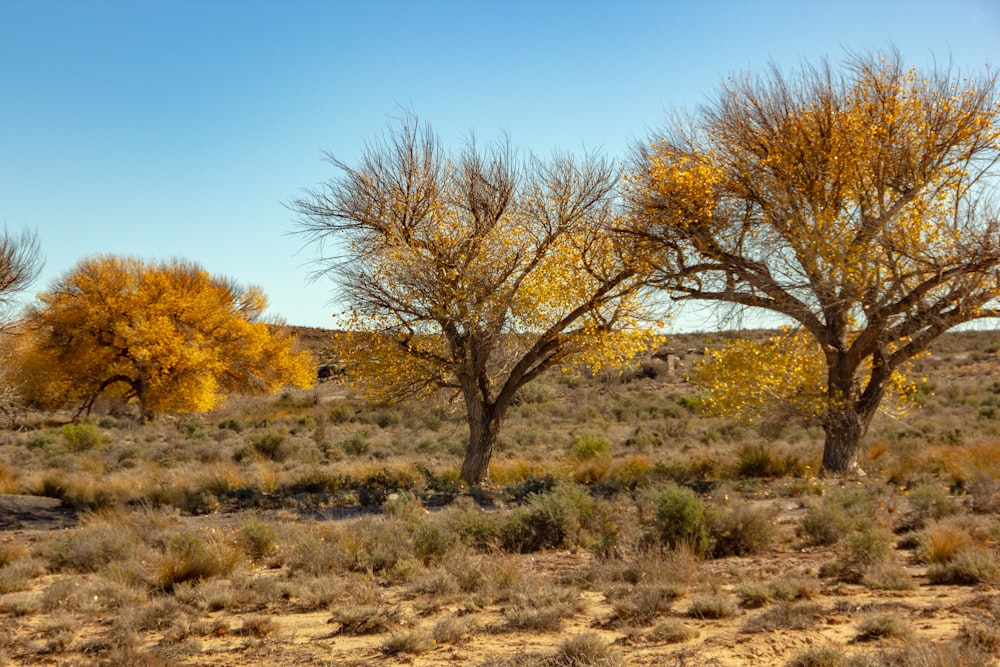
<point>854,202</point>
<point>474,273</point>
<point>164,335</point>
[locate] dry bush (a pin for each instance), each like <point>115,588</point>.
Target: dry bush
<point>643,604</point>
<point>671,631</point>
<point>785,616</point>
<point>366,619</point>
<point>713,607</point>
<point>188,557</point>
<point>454,630</point>
<point>968,567</point>
<point>587,650</point>
<point>883,626</point>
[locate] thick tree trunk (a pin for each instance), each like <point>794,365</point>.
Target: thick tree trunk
<point>483,434</point>
<point>844,429</point>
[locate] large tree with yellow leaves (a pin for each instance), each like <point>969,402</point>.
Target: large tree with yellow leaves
<point>474,273</point>
<point>164,335</point>
<point>853,202</point>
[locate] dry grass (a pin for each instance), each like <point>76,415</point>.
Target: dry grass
<point>610,501</point>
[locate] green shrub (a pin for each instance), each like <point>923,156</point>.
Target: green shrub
<point>271,445</point>
<point>356,445</point>
<point>257,538</point>
<point>681,520</point>
<point>931,502</point>
<point>81,437</point>
<point>590,447</point>
<point>561,519</point>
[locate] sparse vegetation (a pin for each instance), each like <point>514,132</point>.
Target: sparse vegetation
<point>191,536</point>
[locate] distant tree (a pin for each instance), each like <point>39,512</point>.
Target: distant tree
<point>20,263</point>
<point>855,203</point>
<point>474,273</point>
<point>167,336</point>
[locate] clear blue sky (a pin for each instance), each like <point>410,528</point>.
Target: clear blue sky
<point>180,128</point>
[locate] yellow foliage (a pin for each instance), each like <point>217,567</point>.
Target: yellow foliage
<point>167,336</point>
<point>781,377</point>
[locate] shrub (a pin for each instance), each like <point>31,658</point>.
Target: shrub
<point>81,437</point>
<point>820,656</point>
<point>740,530</point>
<point>758,461</point>
<point>864,549</point>
<point>785,616</point>
<point>271,445</point>
<point>190,558</point>
<point>930,502</point>
<point>89,548</point>
<point>589,447</point>
<point>712,607</point>
<point>881,626</point>
<point>366,619</point>
<point>561,519</point>
<point>968,567</point>
<point>412,642</point>
<point>586,650</point>
<point>257,538</point>
<point>453,630</point>
<point>644,604</point>
<point>680,519</point>
<point>357,445</point>
<point>671,631</point>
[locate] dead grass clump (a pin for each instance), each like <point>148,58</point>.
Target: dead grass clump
<point>366,619</point>
<point>643,605</point>
<point>820,656</point>
<point>785,616</point>
<point>18,575</point>
<point>741,529</point>
<point>11,552</point>
<point>90,547</point>
<point>971,566</point>
<point>671,631</point>
<point>411,642</point>
<point>883,626</point>
<point>188,557</point>
<point>454,630</point>
<point>588,649</point>
<point>712,607</point>
<point>541,607</point>
<point>257,626</point>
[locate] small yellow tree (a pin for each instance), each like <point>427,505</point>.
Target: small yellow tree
<point>854,203</point>
<point>167,336</point>
<point>475,273</point>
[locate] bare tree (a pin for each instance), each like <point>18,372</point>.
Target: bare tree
<point>474,273</point>
<point>20,263</point>
<point>855,203</point>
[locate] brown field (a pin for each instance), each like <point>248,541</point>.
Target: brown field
<point>619,528</point>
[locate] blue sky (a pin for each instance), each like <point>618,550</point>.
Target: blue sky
<point>182,128</point>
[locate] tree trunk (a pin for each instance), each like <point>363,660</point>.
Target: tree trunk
<point>844,429</point>
<point>483,433</point>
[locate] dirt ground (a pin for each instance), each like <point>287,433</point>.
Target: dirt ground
<point>933,612</point>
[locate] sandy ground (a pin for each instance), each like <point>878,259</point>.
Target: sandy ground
<point>933,612</point>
